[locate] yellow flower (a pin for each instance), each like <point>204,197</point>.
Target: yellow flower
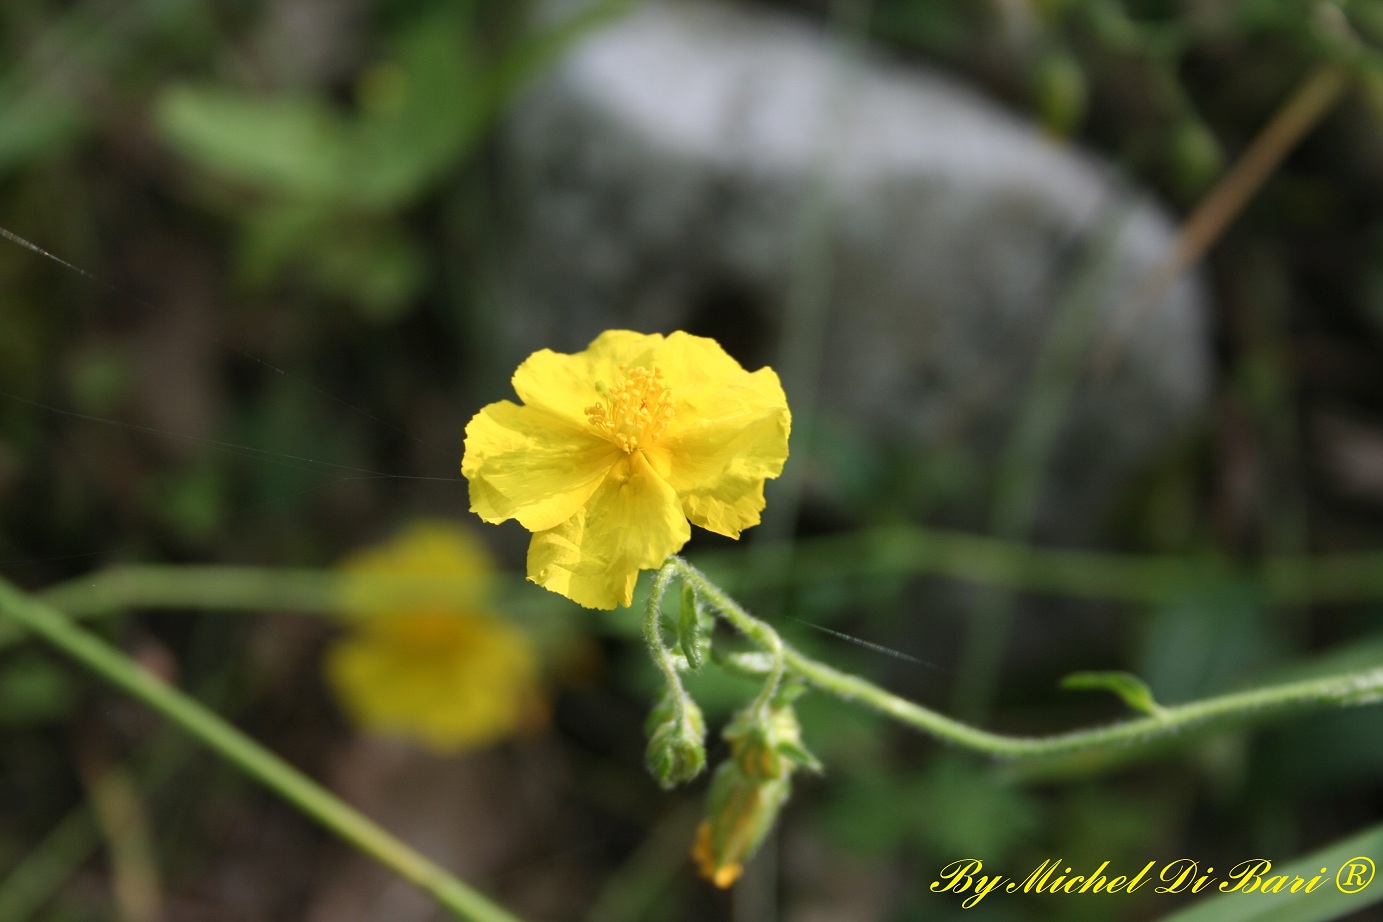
<point>615,448</point>
<point>453,676</point>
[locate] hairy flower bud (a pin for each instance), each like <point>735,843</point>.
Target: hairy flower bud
<point>749,789</point>
<point>676,740</point>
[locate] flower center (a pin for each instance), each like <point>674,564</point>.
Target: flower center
<point>636,411</point>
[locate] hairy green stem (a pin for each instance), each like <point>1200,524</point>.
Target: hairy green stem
<point>1238,708</point>
<point>653,639</point>
<point>252,758</point>
<point>761,633</point>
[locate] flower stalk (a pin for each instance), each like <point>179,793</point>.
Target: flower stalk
<point>1253,705</point>
<point>749,789</point>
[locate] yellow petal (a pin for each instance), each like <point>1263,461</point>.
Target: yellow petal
<point>526,463</point>
<point>451,681</point>
<point>696,369</point>
<point>703,853</point>
<point>439,552</point>
<point>718,463</point>
<point>631,523</point>
<point>565,385</point>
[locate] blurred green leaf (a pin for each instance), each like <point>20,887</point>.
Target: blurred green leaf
<point>1133,690</point>
<point>192,501</point>
<point>34,690</point>
<point>436,112</point>
<point>380,269</point>
<point>274,234</point>
<point>329,182</point>
<point>288,144</point>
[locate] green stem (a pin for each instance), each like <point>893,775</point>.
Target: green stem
<point>1238,708</point>
<point>252,758</point>
<point>235,588</point>
<point>203,587</point>
<point>873,553</point>
<point>1096,575</point>
<point>757,631</point>
<point>653,639</point>
<point>55,858</point>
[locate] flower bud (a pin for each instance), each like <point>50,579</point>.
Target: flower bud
<point>741,810</point>
<point>676,741</point>
<point>769,745</point>
<point>749,789</point>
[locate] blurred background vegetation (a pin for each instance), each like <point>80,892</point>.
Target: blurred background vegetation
<point>284,218</point>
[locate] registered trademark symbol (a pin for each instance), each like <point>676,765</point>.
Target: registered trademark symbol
<point>1354,875</point>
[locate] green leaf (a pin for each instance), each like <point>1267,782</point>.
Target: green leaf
<point>689,628</point>
<point>1133,690</point>
<point>1325,903</point>
<point>370,262</point>
<point>34,690</point>
<point>292,145</point>
<point>431,119</point>
<point>379,271</point>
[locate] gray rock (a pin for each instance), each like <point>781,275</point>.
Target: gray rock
<point>666,175</point>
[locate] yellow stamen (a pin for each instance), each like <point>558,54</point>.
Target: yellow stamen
<point>636,411</point>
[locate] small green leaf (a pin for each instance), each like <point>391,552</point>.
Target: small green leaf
<point>801,756</point>
<point>689,628</point>
<point>1126,685</point>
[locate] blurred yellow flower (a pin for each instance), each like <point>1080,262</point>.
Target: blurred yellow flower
<point>450,675</point>
<point>615,448</point>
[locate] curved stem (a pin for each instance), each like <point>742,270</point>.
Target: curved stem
<point>653,639</point>
<point>252,758</point>
<point>756,630</point>
<point>1240,707</point>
